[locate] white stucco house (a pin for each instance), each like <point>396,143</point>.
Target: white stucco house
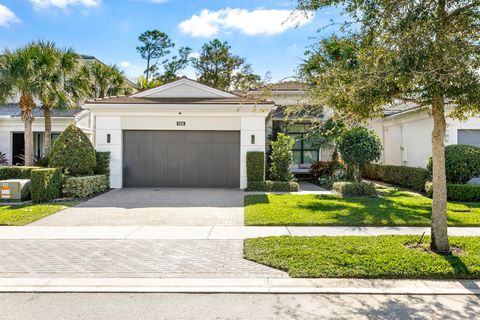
<point>186,134</point>
<point>181,134</point>
<point>406,135</point>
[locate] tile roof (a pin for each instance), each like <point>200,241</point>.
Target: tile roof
<point>145,100</point>
<point>12,110</point>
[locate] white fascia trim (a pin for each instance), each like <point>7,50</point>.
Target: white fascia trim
<point>180,82</point>
<point>177,107</point>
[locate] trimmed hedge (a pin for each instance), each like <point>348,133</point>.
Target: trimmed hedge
<point>462,163</point>
<point>103,164</point>
<point>277,186</point>
<point>407,177</point>
<point>16,172</point>
<point>362,189</point>
<point>46,184</point>
<point>255,166</point>
<point>458,192</point>
<point>83,187</point>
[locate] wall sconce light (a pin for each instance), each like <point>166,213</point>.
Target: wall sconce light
<point>108,137</point>
<point>252,139</point>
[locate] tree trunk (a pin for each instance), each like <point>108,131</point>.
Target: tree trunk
<point>27,104</point>
<point>47,139</point>
<point>439,206</point>
<point>28,136</point>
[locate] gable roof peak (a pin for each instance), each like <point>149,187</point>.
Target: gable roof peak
<point>184,88</point>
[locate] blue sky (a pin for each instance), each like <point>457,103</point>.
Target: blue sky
<point>108,29</point>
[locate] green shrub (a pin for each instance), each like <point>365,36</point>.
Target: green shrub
<point>458,192</point>
<point>359,147</point>
<point>363,189</point>
<point>281,158</point>
<point>255,166</point>
<point>326,182</point>
<point>46,184</point>
<point>277,186</point>
<point>103,164</point>
<point>16,172</point>
<point>83,187</point>
<point>73,152</point>
<point>462,163</point>
<point>402,176</point>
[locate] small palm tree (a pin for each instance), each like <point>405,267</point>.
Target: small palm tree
<point>18,76</point>
<point>55,68</point>
<point>105,80</point>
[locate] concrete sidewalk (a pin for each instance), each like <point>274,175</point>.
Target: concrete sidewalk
<point>242,285</point>
<point>208,232</point>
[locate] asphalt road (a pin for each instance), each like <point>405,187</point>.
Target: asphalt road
<point>115,306</point>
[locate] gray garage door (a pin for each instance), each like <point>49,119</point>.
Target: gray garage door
<point>470,137</point>
<point>181,159</point>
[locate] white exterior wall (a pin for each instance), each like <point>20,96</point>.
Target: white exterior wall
<point>114,121</point>
<point>10,125</point>
<point>406,137</point>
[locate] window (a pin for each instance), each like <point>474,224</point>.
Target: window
<point>304,151</point>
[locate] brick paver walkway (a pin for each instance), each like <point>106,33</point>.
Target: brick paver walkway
<point>129,258</point>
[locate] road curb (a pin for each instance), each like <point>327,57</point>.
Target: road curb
<point>239,285</point>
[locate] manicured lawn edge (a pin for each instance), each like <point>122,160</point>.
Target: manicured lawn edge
<point>382,257</point>
<point>20,215</point>
<point>395,207</point>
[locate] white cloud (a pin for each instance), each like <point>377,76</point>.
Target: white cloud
<point>125,64</point>
<point>260,21</point>
<point>63,4</point>
<point>7,16</point>
<point>195,54</point>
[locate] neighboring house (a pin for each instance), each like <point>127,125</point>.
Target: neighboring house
<point>12,127</point>
<point>406,135</point>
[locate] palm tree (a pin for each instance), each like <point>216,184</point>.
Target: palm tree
<point>18,76</point>
<point>55,68</point>
<point>106,80</point>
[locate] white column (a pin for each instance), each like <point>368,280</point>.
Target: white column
<point>112,126</point>
<point>250,126</point>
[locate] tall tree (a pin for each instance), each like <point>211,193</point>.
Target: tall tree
<point>18,76</point>
<point>175,64</point>
<point>55,67</point>
<point>155,45</point>
<point>105,80</point>
<point>218,67</point>
<point>424,52</point>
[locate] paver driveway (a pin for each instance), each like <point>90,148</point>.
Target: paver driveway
<point>162,206</point>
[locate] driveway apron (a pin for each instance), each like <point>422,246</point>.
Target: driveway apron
<point>155,207</point>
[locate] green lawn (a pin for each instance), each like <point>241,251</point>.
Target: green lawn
<point>16,215</point>
<point>365,257</point>
<point>394,208</point>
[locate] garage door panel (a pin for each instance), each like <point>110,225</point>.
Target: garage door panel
<point>181,159</point>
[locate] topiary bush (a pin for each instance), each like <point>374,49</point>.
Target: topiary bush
<point>407,177</point>
<point>278,186</point>
<point>83,187</point>
<point>16,172</point>
<point>462,163</point>
<point>46,184</point>
<point>281,158</point>
<point>361,189</point>
<point>73,152</point>
<point>255,166</point>
<point>359,147</point>
<point>458,192</point>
